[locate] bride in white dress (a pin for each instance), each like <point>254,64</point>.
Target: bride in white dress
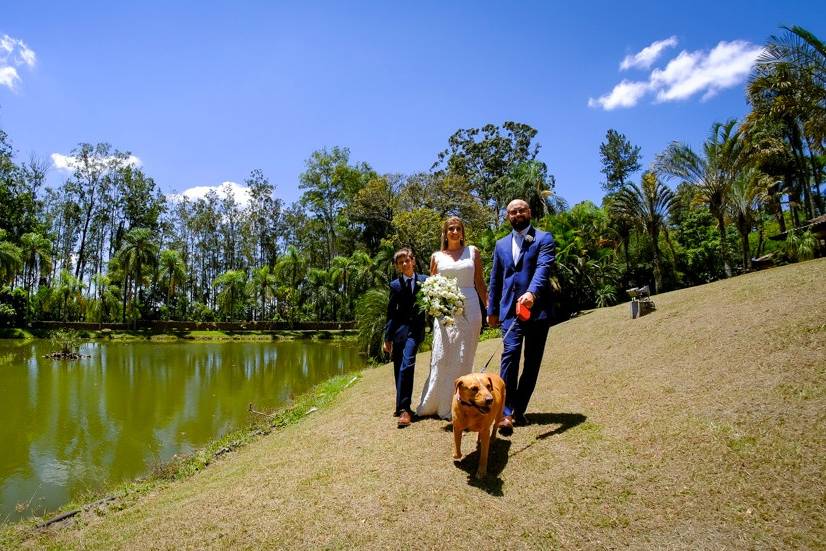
<point>454,346</point>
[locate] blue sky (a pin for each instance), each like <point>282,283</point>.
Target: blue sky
<point>204,92</point>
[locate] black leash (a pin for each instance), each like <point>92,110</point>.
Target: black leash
<point>487,363</point>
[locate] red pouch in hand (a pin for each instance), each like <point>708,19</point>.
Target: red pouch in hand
<point>522,312</point>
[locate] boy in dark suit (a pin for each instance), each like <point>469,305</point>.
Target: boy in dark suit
<point>404,331</point>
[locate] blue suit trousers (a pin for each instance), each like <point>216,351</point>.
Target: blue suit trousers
<point>518,389</point>
<point>404,364</point>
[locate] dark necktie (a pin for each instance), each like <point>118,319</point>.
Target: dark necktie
<point>410,286</point>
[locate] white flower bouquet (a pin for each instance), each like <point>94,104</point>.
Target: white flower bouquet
<point>441,298</point>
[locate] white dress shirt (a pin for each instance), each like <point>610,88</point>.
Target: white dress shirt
<point>516,242</point>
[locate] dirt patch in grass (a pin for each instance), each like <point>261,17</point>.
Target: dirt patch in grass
<point>702,425</point>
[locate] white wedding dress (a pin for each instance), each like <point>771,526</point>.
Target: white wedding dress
<point>454,346</point>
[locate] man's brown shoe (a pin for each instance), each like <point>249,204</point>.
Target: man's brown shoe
<point>404,419</point>
<point>506,425</point>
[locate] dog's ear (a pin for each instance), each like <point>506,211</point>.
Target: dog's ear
<point>457,383</point>
<point>489,381</point>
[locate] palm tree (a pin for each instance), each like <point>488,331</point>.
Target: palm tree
<point>748,192</point>
<point>231,286</point>
<point>290,270</point>
<point>137,252</point>
<point>106,305</point>
<point>767,150</point>
<point>798,47</point>
<point>290,267</point>
<point>68,286</point>
<point>325,296</point>
<point>712,173</point>
<point>530,181</point>
<point>371,310</point>
<point>263,286</point>
<point>353,275</point>
<point>37,257</point>
<point>789,86</point>
<point>648,205</point>
<point>172,272</point>
<point>11,259</point>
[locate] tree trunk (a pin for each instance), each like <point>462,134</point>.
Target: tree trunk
<point>803,177</point>
<point>744,227</point>
<point>658,274</point>
<point>816,174</point>
<point>721,228</point>
<point>81,252</point>
<point>126,283</point>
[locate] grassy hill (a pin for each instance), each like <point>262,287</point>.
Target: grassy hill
<point>702,425</point>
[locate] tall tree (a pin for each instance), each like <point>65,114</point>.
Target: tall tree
<point>329,183</point>
<point>94,167</point>
<point>788,85</point>
<point>484,156</point>
<point>619,160</point>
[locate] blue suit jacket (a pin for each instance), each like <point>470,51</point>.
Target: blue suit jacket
<point>532,272</point>
<point>404,318</point>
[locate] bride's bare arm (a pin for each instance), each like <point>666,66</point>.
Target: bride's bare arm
<point>434,268</point>
<point>479,277</point>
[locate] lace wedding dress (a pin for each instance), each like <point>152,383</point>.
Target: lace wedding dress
<point>454,346</point>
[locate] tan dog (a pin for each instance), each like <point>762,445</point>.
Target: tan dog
<point>477,406</point>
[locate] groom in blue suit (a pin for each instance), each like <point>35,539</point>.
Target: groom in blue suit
<point>404,331</point>
<point>521,274</point>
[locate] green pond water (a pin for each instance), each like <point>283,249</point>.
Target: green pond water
<point>71,426</point>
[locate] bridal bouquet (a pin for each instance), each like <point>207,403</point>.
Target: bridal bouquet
<point>441,298</point>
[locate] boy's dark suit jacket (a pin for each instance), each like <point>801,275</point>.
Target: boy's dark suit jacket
<point>404,318</point>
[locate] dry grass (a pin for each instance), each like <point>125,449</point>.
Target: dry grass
<point>700,426</point>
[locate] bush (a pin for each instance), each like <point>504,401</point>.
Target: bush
<point>12,307</point>
<point>371,315</point>
<point>201,312</point>
<point>67,341</point>
<point>7,315</point>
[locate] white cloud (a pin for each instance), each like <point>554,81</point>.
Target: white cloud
<point>648,55</point>
<point>67,163</point>
<point>727,65</point>
<point>624,94</point>
<point>14,53</point>
<point>240,192</point>
<point>700,72</point>
<point>8,77</point>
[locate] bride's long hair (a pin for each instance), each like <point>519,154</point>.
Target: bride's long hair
<point>448,222</point>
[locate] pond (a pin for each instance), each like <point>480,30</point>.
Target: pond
<point>71,426</point>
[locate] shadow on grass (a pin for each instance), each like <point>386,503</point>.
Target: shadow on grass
<point>564,420</point>
<point>497,459</point>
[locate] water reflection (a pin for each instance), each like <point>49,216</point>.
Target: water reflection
<point>70,426</point>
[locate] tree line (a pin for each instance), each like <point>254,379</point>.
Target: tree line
<point>106,245</point>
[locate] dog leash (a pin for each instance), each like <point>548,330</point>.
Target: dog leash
<point>487,363</point>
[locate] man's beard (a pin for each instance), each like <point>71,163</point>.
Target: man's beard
<point>520,225</point>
